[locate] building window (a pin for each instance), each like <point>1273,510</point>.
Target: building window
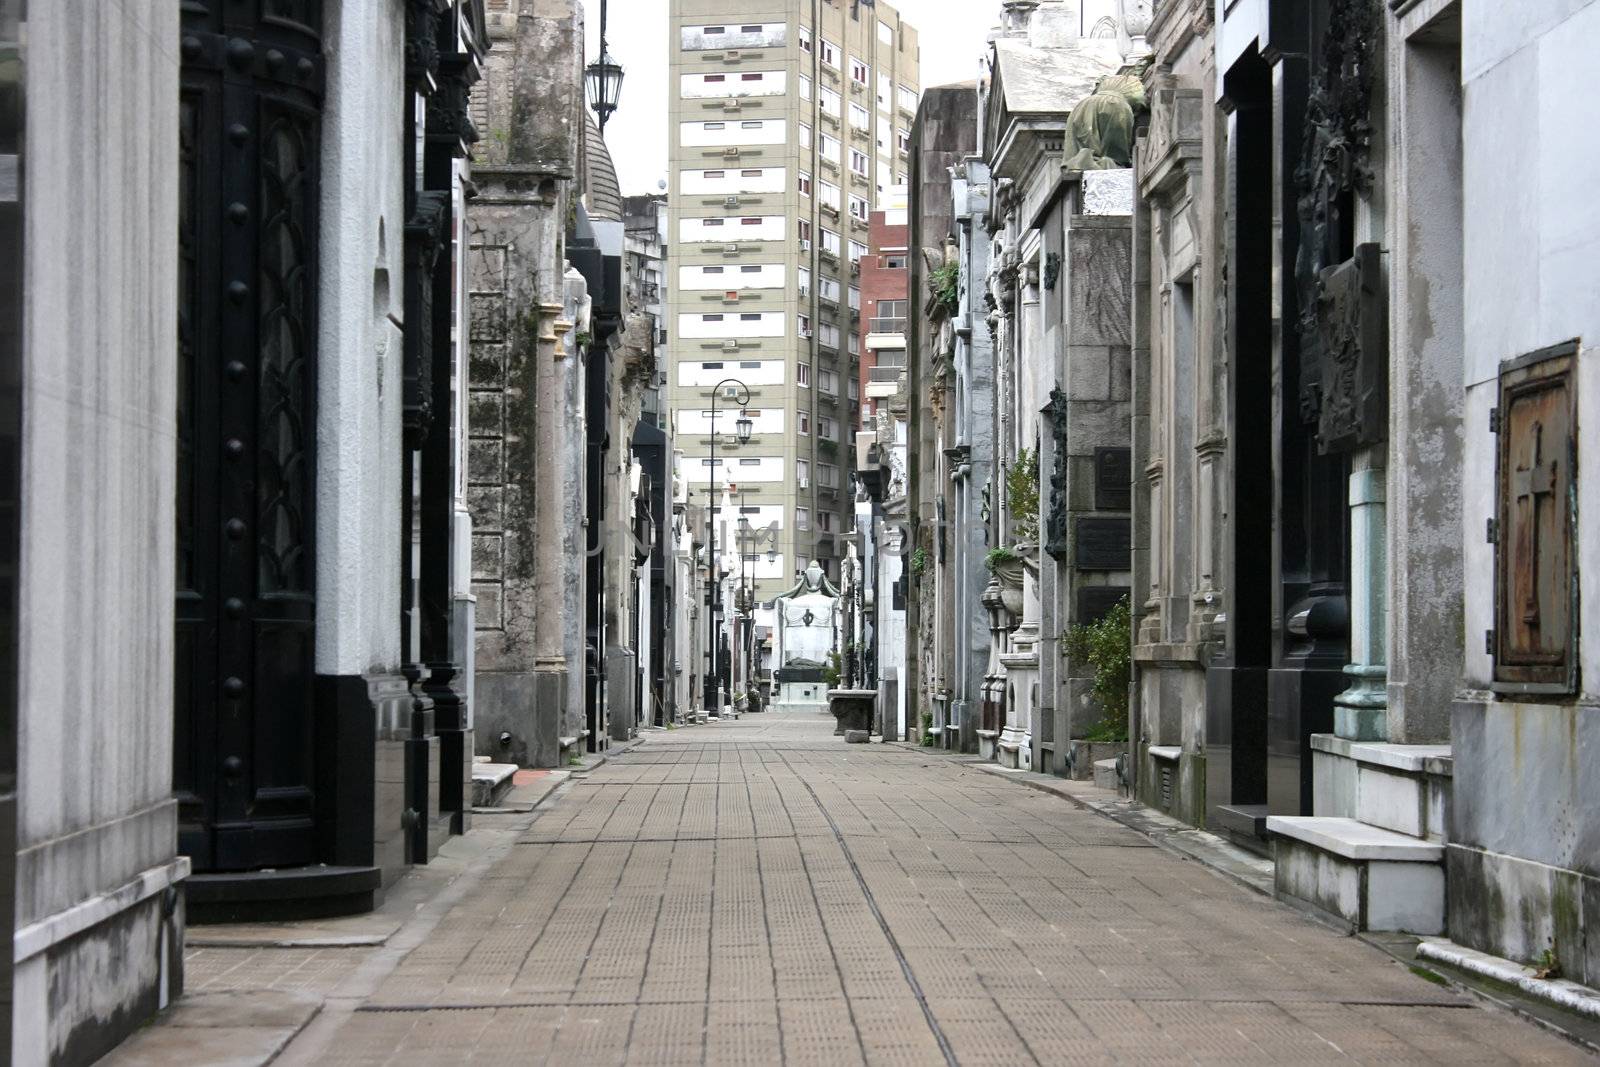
<point>858,208</point>
<point>751,173</point>
<point>710,318</point>
<point>825,427</point>
<point>908,99</point>
<point>895,262</point>
<point>714,174</point>
<point>859,117</point>
<point>830,148</point>
<point>750,221</point>
<point>805,233</point>
<point>713,222</point>
<point>857,250</point>
<point>750,29</point>
<point>825,521</point>
<point>805,87</point>
<point>802,375</point>
<point>713,79</point>
<point>754,124</point>
<point>712,270</point>
<point>750,268</point>
<point>828,102</point>
<point>711,366</point>
<point>829,53</point>
<point>750,364</point>
<point>902,138</point>
<point>805,135</point>
<point>716,125</point>
<point>805,40</point>
<point>803,423</point>
<point>855,297</point>
<point>802,518</point>
<point>828,382</point>
<point>858,162</point>
<point>712,31</point>
<point>751,77</point>
<point>802,470</point>
<point>803,280</point>
<point>746,462</point>
<point>803,327</point>
<point>858,71</point>
<point>805,184</point>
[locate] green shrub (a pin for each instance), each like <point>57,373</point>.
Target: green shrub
<point>999,556</point>
<point>945,283</point>
<point>919,561</point>
<point>927,729</point>
<point>1107,647</point>
<point>830,673</point>
<point>1022,495</point>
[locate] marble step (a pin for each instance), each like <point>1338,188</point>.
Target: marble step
<point>490,782</point>
<point>1365,876</point>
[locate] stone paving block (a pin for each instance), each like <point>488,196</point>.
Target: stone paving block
<point>720,896</point>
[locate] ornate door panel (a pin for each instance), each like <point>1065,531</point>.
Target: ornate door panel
<point>1533,641</point>
<point>249,130</point>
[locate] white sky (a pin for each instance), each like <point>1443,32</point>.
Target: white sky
<point>952,39</point>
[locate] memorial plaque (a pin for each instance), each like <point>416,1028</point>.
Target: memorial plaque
<point>1113,479</point>
<point>1096,601</point>
<point>1102,544</point>
<point>1533,641</point>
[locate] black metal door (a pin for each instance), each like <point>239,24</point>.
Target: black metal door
<point>249,133</point>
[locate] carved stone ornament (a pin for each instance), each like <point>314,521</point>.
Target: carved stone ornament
<point>1058,538</point>
<point>427,231</point>
<point>1334,302</point>
<point>422,45</point>
<point>1352,319</point>
<point>1052,269</point>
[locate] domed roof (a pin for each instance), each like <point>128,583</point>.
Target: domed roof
<point>602,190</point>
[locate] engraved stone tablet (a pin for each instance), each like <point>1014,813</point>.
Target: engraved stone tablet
<point>1113,479</point>
<point>1102,544</point>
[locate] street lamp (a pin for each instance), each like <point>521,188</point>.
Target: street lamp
<point>740,393</point>
<point>603,78</point>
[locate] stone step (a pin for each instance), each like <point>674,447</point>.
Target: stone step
<point>1404,788</point>
<point>490,783</point>
<point>1365,876</point>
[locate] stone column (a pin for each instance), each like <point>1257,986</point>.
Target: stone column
<point>1359,712</point>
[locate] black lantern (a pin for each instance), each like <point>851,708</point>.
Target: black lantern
<point>603,80</point>
<point>743,428</point>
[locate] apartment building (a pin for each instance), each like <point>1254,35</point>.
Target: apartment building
<point>885,282</point>
<point>790,124</point>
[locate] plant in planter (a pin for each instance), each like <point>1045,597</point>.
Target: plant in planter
<point>919,561</point>
<point>1022,496</point>
<point>830,673</point>
<point>1107,647</point>
<point>944,283</point>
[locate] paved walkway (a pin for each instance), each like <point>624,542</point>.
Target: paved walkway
<point>759,893</point>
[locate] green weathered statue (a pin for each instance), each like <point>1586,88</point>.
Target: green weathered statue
<point>1100,130</point>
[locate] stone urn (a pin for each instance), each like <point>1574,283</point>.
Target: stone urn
<point>1009,573</point>
<point>852,708</point>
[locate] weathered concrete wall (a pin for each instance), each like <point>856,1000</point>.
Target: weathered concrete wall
<point>525,452</point>
<point>1524,857</point>
<point>95,812</point>
<point>360,317</point>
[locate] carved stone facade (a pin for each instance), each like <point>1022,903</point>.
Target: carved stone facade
<point>526,476</point>
<point>1180,419</point>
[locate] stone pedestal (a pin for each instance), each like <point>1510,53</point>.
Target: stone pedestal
<point>1021,663</point>
<point>852,708</point>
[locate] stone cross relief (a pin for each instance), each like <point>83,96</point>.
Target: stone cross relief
<point>1533,483</point>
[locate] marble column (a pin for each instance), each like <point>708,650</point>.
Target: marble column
<point>1360,712</point>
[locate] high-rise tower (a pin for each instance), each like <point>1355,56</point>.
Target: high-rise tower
<point>790,122</point>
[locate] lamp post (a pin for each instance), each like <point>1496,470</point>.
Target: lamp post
<point>603,78</point>
<point>739,392</point>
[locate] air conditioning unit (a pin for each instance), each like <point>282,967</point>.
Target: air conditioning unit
<point>732,201</point>
<point>805,244</point>
<point>805,481</point>
<point>731,152</point>
<point>730,345</point>
<point>730,392</point>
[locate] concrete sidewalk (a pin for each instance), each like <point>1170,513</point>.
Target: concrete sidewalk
<point>758,892</point>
